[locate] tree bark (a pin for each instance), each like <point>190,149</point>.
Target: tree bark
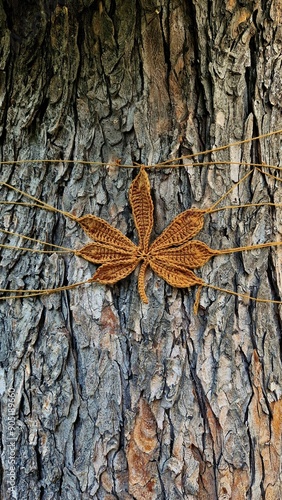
<point>114,398</point>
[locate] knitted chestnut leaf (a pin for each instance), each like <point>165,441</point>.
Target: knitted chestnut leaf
<point>171,256</point>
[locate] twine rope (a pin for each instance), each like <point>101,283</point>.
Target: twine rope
<point>170,163</point>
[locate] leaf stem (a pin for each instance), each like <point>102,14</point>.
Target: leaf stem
<point>141,282</point>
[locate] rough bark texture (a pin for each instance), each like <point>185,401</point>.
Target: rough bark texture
<point>115,399</point>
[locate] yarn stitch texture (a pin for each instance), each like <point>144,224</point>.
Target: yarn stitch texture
<point>171,256</point>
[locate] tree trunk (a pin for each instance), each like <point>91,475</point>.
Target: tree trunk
<point>112,398</point>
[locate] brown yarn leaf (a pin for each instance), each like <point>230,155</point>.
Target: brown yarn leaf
<point>142,208</point>
<point>174,275</point>
<point>192,254</point>
<point>184,227</point>
<point>100,230</point>
<point>171,256</point>
<point>99,253</point>
<point>112,272</point>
